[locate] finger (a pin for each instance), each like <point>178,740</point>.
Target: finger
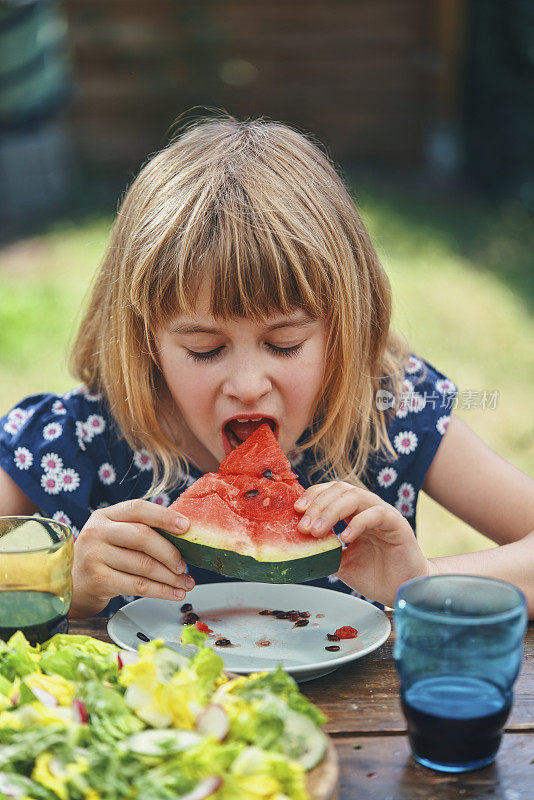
<point>139,563</point>
<point>134,536</point>
<point>384,518</point>
<point>336,503</point>
<point>310,493</point>
<point>323,509</point>
<point>121,583</point>
<point>151,514</point>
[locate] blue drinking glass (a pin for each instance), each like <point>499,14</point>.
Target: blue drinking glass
<point>458,651</point>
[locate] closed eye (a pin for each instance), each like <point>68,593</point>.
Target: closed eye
<point>210,355</point>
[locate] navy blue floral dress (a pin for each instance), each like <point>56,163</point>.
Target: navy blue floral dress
<point>66,454</point>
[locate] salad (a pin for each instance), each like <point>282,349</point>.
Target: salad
<point>82,720</point>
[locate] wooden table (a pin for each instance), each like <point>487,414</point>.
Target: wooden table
<point>369,731</point>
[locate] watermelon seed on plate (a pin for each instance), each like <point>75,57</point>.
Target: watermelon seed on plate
<point>332,637</point>
<point>191,617</point>
<point>223,642</point>
<point>265,613</point>
<point>333,648</point>
<point>268,473</point>
<point>142,636</point>
<point>305,614</point>
<point>186,607</point>
<point>293,616</point>
<point>252,493</point>
<point>300,623</point>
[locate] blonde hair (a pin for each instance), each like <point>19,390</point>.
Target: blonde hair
<point>259,210</point>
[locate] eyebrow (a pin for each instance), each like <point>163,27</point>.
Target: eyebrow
<point>186,328</point>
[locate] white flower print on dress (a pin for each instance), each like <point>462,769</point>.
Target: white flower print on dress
<point>106,473</point>
<point>70,480</point>
<point>58,407</point>
<point>52,482</point>
<point>332,579</point>
<point>60,516</point>
<point>23,458</point>
<point>142,460</point>
<point>405,442</point>
<point>295,458</point>
<point>402,410</point>
<point>414,365</point>
<point>15,420</point>
<point>51,462</point>
<point>387,477</point>
<point>445,386</point>
<point>83,434</point>
<point>416,402</point>
<point>162,499</point>
<point>406,492</point>
<point>443,423</point>
<point>405,507</point>
<point>95,424</point>
<point>52,431</point>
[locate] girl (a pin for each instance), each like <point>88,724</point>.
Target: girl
<point>239,286</point>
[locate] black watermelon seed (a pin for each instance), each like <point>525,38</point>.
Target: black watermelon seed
<point>142,636</point>
<point>293,615</point>
<point>332,637</point>
<point>332,647</point>
<point>268,473</point>
<point>191,617</point>
<point>265,613</point>
<point>305,614</point>
<point>277,611</point>
<point>252,493</point>
<point>186,607</point>
<point>280,614</point>
<point>224,642</point>
<point>300,623</point>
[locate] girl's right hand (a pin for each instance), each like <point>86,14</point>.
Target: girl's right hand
<point>118,552</point>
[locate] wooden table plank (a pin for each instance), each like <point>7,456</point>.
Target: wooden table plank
<point>383,769</point>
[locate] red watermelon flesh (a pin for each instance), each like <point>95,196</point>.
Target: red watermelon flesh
<point>259,452</point>
<point>253,516</point>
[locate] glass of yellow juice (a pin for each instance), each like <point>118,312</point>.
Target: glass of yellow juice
<point>36,556</point>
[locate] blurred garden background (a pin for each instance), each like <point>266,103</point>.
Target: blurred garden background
<point>425,105</point>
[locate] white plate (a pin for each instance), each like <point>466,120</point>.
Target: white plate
<point>231,610</point>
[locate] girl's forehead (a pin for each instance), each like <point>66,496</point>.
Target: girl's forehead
<point>200,315</point>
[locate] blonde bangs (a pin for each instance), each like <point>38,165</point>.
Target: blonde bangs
<point>258,212</point>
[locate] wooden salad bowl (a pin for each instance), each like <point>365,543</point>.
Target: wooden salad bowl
<point>322,782</point>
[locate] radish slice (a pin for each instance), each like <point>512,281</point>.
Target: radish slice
<point>80,711</point>
<point>204,789</point>
<point>11,789</point>
<point>44,697</point>
<point>125,657</point>
<point>213,719</point>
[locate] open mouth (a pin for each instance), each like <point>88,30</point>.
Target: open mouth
<point>237,430</point>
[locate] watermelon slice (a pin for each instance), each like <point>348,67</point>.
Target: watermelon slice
<point>243,523</point>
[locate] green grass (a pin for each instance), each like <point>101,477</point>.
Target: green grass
<point>464,296</point>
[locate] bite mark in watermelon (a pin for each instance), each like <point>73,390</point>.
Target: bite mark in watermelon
<point>243,524</point>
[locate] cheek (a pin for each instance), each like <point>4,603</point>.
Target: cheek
<point>305,382</point>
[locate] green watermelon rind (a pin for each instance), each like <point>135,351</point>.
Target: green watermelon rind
<point>236,565</point>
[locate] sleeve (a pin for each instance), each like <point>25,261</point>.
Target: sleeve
<point>51,446</point>
<point>415,431</point>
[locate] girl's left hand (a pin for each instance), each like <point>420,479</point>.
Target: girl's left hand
<point>383,551</point>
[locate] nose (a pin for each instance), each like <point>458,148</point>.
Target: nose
<point>247,382</point>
